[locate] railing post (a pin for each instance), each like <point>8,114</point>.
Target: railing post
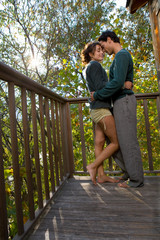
<point>15,159</point>
<point>158,111</point>
<point>44,151</point>
<point>55,142</point>
<point>82,137</point>
<point>36,151</point>
<point>27,155</point>
<point>58,139</point>
<point>3,207</point>
<point>149,146</point>
<point>69,142</point>
<point>63,140</point>
<point>49,145</point>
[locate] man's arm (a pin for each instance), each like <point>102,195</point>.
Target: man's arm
<point>128,85</point>
<point>119,77</point>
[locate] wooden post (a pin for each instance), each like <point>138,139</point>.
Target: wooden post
<point>154,9</point>
<point>3,207</point>
<point>69,138</point>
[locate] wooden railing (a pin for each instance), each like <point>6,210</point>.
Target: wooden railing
<point>39,143</point>
<point>148,131</point>
<point>47,161</point>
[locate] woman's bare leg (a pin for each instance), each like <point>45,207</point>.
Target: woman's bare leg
<point>107,125</point>
<point>99,146</point>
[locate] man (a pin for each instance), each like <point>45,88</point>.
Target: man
<point>124,107</point>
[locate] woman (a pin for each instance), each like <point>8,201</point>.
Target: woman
<point>96,78</point>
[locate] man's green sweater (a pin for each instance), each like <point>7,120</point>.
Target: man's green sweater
<point>121,70</point>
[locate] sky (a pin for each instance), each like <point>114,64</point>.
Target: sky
<point>121,3</point>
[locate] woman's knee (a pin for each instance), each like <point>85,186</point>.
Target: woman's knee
<point>100,142</point>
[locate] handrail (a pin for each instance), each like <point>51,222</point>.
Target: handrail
<point>11,75</point>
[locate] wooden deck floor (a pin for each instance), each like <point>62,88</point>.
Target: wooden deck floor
<point>82,211</point>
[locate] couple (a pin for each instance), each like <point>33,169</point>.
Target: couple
<point>121,130</point>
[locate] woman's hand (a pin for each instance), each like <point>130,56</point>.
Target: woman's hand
<point>92,98</point>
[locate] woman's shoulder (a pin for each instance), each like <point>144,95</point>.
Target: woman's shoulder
<point>94,65</point>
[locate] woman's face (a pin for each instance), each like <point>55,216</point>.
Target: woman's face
<point>98,54</point>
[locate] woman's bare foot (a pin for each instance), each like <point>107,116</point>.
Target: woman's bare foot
<point>92,172</point>
<point>104,178</point>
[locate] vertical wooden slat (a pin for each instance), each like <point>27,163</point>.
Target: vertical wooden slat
<point>70,142</point>
<point>158,110</point>
<point>82,137</point>
<point>36,151</point>
<point>149,147</point>
<point>43,140</point>
<point>59,143</point>
<point>49,145</point>
<point>64,138</point>
<point>3,207</point>
<point>55,142</point>
<point>15,159</point>
<point>27,155</point>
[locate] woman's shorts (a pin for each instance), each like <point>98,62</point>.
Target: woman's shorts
<point>98,114</point>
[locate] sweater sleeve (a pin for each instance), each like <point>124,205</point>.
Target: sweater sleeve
<point>120,68</point>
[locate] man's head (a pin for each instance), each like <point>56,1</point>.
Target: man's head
<point>109,41</point>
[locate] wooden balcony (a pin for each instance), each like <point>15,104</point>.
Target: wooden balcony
<point>47,198</point>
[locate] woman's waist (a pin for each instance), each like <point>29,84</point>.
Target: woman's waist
<point>100,104</point>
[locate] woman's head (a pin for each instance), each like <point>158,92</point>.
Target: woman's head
<point>92,51</point>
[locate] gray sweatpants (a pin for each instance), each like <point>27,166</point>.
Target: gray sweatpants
<point>125,115</point>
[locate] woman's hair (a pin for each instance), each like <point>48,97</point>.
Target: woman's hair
<point>89,48</point>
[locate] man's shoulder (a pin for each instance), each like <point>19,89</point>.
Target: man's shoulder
<point>123,53</point>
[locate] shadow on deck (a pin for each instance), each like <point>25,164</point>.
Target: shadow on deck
<point>82,211</point>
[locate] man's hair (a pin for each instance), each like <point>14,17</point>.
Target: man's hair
<point>89,48</point>
<point>110,34</point>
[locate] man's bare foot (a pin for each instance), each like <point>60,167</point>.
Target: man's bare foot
<point>92,172</point>
<point>123,185</point>
<point>104,178</point>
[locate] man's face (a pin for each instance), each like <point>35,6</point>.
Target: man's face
<point>107,46</point>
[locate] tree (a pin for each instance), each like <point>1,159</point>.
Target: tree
<point>44,39</point>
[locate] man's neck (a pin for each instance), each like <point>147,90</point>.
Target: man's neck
<point>117,48</point>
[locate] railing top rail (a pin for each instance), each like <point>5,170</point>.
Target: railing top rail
<point>11,75</point>
<point>147,95</point>
<point>138,96</point>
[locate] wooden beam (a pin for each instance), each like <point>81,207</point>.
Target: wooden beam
<point>154,9</point>
<point>135,4</point>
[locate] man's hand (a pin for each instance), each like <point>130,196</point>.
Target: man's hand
<point>92,98</point>
<point>128,85</point>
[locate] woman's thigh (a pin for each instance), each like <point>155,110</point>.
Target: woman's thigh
<point>107,124</point>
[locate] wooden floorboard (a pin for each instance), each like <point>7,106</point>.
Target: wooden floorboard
<point>82,211</point>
